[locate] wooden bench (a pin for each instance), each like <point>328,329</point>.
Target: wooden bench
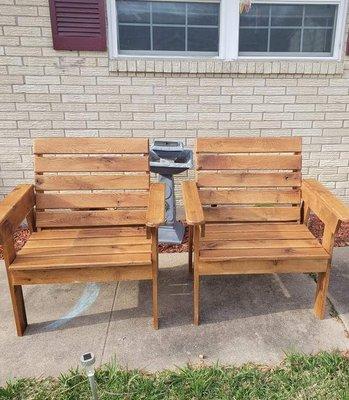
<point>248,212</point>
<point>94,217</point>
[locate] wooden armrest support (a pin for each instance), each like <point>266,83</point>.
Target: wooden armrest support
<point>16,206</point>
<point>327,206</point>
<point>194,213</point>
<point>156,206</point>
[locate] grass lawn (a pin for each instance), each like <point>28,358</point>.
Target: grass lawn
<point>323,376</point>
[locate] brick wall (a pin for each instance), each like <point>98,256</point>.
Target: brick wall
<point>49,93</point>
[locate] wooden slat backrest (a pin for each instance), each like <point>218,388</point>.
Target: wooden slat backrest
<point>91,181</point>
<point>249,179</point>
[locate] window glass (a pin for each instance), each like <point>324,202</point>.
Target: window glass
<point>291,29</point>
<point>166,26</point>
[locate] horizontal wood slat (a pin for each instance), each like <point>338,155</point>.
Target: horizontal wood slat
<point>91,182</point>
<point>236,214</point>
<point>265,254</point>
<point>91,164</point>
<point>90,218</point>
<point>26,263</point>
<point>261,267</point>
<point>252,243</point>
<point>249,196</point>
<point>91,146</point>
<point>283,179</point>
<point>248,145</point>
<point>268,233</point>
<point>253,162</point>
<point>83,250</point>
<point>86,241</point>
<point>121,231</point>
<point>93,200</point>
<point>69,275</point>
<point>256,227</point>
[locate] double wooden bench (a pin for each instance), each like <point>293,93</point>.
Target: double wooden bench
<point>248,211</point>
<point>93,214</point>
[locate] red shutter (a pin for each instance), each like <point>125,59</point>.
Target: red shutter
<point>78,24</point>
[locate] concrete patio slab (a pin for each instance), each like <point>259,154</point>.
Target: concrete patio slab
<point>244,318</point>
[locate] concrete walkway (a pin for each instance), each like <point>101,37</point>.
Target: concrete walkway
<point>244,318</point>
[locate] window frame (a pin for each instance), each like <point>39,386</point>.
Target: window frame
<point>229,26</point>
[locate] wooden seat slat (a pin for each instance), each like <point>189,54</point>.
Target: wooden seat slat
<point>249,196</point>
<point>264,254</point>
<point>237,214</point>
<point>91,182</point>
<point>251,179</point>
<point>91,146</point>
<point>87,241</point>
<point>88,261</point>
<point>256,235</point>
<point>91,200</point>
<point>254,162</point>
<point>248,145</point>
<point>81,250</point>
<point>258,244</point>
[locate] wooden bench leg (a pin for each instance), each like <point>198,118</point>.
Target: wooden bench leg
<point>155,303</point>
<point>196,297</point>
<point>190,249</point>
<point>321,294</point>
<point>18,309</point>
<point>155,268</point>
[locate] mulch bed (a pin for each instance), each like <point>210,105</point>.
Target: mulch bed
<point>315,226</point>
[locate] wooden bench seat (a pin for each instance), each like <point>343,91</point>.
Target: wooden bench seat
<point>248,210</point>
<point>93,214</point>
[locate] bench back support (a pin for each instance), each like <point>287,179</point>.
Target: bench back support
<point>249,179</point>
<point>83,182</point>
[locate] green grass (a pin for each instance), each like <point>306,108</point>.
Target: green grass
<point>323,376</point>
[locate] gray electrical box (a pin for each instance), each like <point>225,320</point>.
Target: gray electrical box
<point>168,158</point>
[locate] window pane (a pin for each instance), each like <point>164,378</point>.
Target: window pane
<point>317,40</point>
<point>203,39</point>
<point>320,15</point>
<point>169,38</point>
<point>133,11</point>
<point>288,28</point>
<point>282,15</point>
<point>253,40</point>
<point>285,40</point>
<point>168,13</point>
<point>257,16</point>
<point>134,37</point>
<point>203,14</point>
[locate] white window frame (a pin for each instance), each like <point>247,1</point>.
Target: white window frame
<point>229,28</point>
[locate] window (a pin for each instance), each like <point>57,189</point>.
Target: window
<point>215,28</point>
<point>288,29</point>
<point>156,27</point>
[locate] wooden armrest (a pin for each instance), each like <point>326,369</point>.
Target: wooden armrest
<point>16,206</point>
<point>322,201</point>
<point>156,206</point>
<point>194,213</point>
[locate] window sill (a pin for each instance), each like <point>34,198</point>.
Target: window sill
<point>216,66</point>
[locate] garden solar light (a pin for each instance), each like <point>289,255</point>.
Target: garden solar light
<point>87,361</point>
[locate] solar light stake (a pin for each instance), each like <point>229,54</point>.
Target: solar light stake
<point>87,361</point>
